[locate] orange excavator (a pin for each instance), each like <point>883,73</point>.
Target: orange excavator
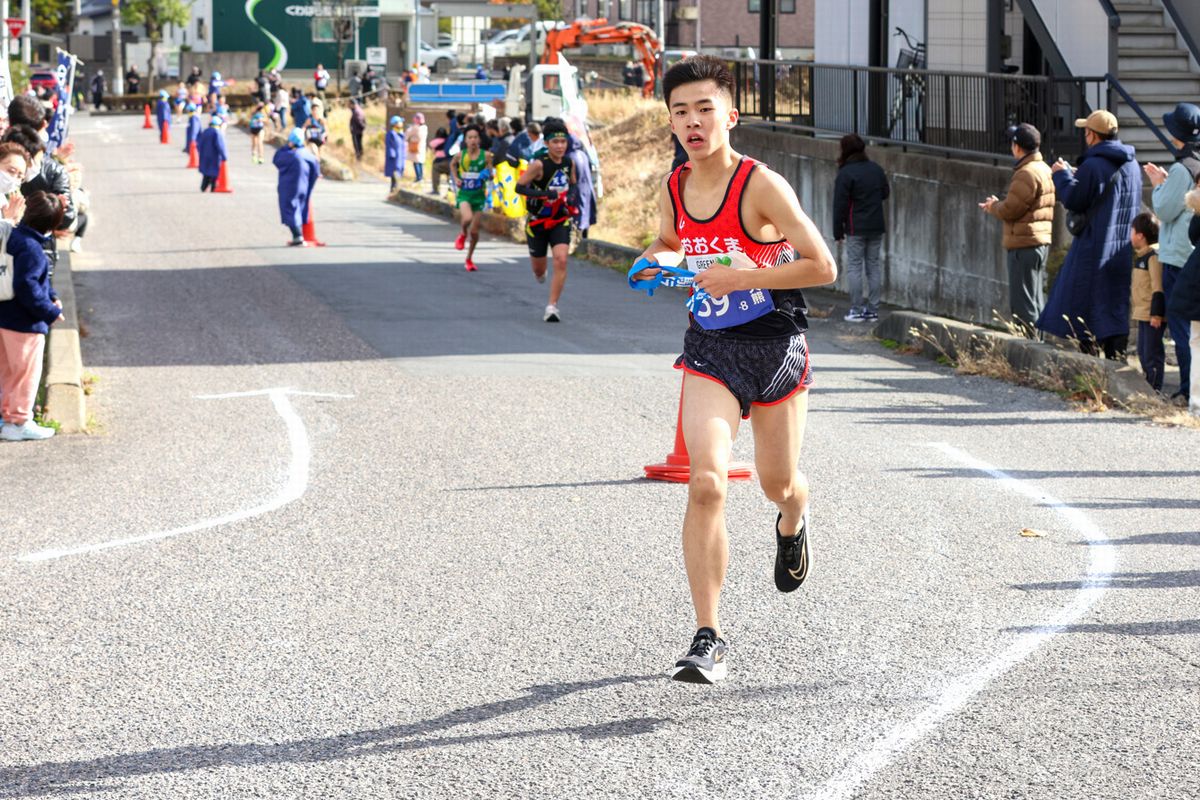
<point>600,31</point>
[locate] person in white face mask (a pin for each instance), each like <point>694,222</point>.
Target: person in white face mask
<point>14,164</point>
<point>47,175</point>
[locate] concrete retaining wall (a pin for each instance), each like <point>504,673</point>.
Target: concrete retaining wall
<point>63,377</point>
<point>942,255</point>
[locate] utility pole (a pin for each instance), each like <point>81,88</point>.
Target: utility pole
<point>768,35</point>
<point>27,39</point>
<point>118,78</point>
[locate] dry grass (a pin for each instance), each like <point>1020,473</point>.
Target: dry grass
<point>635,154</point>
<point>610,106</point>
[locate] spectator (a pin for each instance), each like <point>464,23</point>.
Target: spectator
<point>481,74</point>
<point>1028,215</point>
<point>1170,190</point>
<point>501,137</point>
<point>355,85</point>
<point>262,86</point>
<point>298,174</point>
<point>585,189</point>
<point>525,144</point>
<point>1185,300</point>
<point>452,125</point>
<point>48,176</point>
<point>1090,298</point>
<point>320,80</point>
<point>99,87</point>
<point>26,110</point>
<point>368,81</point>
<point>416,138</point>
<point>193,78</point>
<point>194,126</point>
<point>441,159</point>
<point>301,109</point>
<point>1146,301</point>
<point>133,81</point>
<point>26,318</point>
<point>281,105</point>
<point>858,220</point>
<point>628,78</point>
<point>393,158</point>
<point>358,124</point>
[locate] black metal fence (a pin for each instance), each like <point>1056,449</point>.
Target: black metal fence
<point>959,114</point>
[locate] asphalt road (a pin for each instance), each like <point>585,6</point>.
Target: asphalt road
<point>432,571</point>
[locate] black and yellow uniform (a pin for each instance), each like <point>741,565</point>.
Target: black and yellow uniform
<point>548,223</point>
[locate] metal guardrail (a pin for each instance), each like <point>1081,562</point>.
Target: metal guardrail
<point>957,114</point>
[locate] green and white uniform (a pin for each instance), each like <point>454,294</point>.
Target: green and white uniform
<point>471,186</point>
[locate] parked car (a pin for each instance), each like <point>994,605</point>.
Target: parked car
<point>43,79</point>
<point>438,59</point>
<point>445,41</point>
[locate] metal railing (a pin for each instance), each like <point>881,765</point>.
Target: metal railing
<point>959,114</point>
<point>1142,115</point>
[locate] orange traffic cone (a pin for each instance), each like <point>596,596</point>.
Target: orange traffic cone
<point>677,467</point>
<point>165,138</point>
<point>193,156</point>
<point>146,122</point>
<point>223,180</point>
<point>310,230</point>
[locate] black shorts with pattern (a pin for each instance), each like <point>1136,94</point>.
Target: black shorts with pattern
<point>758,372</point>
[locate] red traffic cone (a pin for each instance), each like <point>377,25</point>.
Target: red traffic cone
<point>310,231</point>
<point>223,180</point>
<point>165,138</point>
<point>677,467</point>
<point>146,122</point>
<point>193,156</point>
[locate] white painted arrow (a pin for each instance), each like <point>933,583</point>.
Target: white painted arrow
<point>293,489</point>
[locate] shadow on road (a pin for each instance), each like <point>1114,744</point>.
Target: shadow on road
<point>1179,579</point>
<point>65,777</point>
<point>1173,627</point>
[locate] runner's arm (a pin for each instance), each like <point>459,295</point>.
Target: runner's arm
<point>773,201</point>
<point>528,177</point>
<point>454,181</point>
<point>667,240</point>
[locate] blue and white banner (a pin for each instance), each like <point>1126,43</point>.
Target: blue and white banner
<point>65,74</point>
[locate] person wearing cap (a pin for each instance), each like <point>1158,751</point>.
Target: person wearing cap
<point>162,110</point>
<point>194,126</point>
<point>298,174</point>
<point>211,148</point>
<point>1170,206</point>
<point>1027,212</point>
<point>393,151</point>
<point>1089,301</point>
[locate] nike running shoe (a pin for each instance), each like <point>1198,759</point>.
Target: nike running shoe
<point>791,556</point>
<point>470,266</point>
<point>461,242</point>
<point>854,315</point>
<point>704,661</point>
<point>870,316</point>
<point>551,314</point>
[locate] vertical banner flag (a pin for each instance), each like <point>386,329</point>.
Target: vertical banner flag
<point>6,92</point>
<point>65,75</point>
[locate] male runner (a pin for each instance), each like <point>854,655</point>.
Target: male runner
<point>724,205</point>
<point>547,185</point>
<point>469,171</point>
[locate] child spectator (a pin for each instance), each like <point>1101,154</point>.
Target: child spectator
<point>1147,304</point>
<point>441,159</point>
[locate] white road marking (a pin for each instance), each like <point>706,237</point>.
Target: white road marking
<point>954,697</point>
<point>293,489</point>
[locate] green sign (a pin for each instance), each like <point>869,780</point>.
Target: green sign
<point>283,31</point>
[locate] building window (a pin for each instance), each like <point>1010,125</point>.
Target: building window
<point>785,6</point>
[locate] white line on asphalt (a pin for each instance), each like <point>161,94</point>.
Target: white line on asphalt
<point>293,489</point>
<point>954,697</point>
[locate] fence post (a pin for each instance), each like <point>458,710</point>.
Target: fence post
<point>854,99</point>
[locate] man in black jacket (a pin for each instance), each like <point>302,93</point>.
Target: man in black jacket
<point>858,195</point>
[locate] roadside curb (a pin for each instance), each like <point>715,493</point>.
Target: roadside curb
<point>63,377</point>
<point>1121,382</point>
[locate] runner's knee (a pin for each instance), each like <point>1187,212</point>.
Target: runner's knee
<point>707,488</point>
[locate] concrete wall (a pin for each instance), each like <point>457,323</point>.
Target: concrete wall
<point>942,255</point>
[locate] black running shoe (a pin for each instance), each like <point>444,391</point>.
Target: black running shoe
<point>705,659</point>
<point>791,557</point>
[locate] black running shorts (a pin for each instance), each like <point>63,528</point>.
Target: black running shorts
<point>541,238</point>
<point>758,372</point>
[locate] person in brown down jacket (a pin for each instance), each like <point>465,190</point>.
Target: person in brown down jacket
<point>1028,215</point>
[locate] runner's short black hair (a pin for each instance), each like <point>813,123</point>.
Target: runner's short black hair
<point>473,127</point>
<point>553,126</point>
<point>1147,225</point>
<point>696,69</point>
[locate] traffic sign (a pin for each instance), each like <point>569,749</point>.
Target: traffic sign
<point>15,26</point>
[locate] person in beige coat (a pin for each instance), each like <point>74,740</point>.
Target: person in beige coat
<point>1028,215</point>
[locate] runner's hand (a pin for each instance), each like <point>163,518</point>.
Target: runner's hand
<point>647,273</point>
<point>720,279</point>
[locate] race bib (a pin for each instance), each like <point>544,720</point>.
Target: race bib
<point>470,180</point>
<point>736,308</point>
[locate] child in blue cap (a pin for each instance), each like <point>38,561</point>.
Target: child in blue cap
<point>393,160</point>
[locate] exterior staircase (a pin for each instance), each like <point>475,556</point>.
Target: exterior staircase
<point>1157,72</point>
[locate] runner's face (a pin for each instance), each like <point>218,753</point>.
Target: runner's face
<point>472,140</point>
<point>701,117</point>
<point>557,148</point>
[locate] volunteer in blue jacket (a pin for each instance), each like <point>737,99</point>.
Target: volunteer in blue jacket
<point>1089,301</point>
<point>194,125</point>
<point>162,110</point>
<point>26,318</point>
<point>298,173</point>
<point>393,152</point>
<point>211,146</point>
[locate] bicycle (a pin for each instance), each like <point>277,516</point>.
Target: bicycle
<point>912,59</point>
